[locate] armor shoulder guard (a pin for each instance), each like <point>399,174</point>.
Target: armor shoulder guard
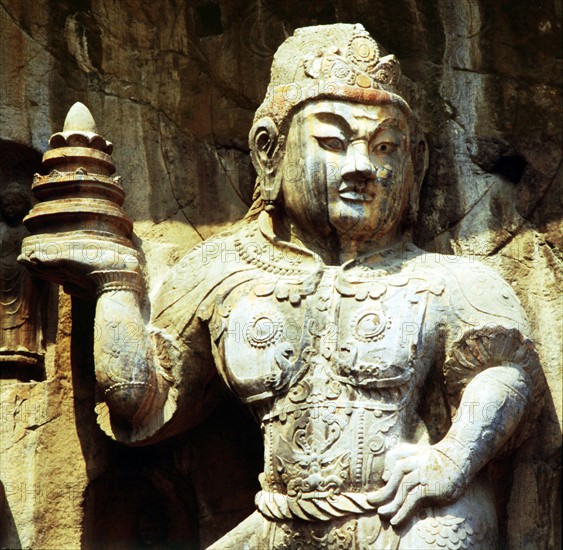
<point>478,295</point>
<point>192,281</point>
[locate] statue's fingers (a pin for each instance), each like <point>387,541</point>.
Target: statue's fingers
<point>387,491</point>
<point>402,467</point>
<point>409,484</point>
<point>409,505</point>
<point>396,455</point>
<point>402,450</point>
<point>34,257</point>
<point>26,257</point>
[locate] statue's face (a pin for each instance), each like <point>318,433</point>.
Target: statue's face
<point>346,168</point>
<point>14,205</point>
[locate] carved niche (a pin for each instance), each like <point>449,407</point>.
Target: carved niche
<point>22,296</point>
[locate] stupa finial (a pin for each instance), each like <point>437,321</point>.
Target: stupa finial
<point>80,119</point>
<point>80,130</point>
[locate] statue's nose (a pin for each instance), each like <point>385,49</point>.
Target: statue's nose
<point>358,165</point>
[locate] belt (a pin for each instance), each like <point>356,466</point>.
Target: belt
<point>313,507</point>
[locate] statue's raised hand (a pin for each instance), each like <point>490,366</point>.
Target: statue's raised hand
<point>82,263</point>
<point>417,476</point>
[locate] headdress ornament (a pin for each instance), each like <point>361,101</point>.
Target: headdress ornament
<point>338,61</point>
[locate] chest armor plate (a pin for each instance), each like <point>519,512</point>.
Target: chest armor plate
<point>272,335</point>
<point>328,372</point>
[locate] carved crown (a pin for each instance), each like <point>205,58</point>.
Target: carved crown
<point>339,61</point>
<point>358,64</point>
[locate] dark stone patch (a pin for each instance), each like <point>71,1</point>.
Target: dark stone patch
<point>208,20</point>
<point>511,167</point>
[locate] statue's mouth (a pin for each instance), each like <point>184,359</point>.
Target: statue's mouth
<point>357,191</point>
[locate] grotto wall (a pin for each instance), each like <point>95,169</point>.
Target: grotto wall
<point>174,85</point>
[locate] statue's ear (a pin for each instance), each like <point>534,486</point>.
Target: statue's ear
<point>263,141</point>
<point>266,150</point>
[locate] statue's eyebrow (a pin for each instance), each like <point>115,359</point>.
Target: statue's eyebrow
<point>332,118</point>
<point>388,122</point>
<point>347,126</point>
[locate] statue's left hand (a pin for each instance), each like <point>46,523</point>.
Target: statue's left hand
<point>417,476</point>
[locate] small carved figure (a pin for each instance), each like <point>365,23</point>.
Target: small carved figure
<point>20,315</point>
<point>384,378</point>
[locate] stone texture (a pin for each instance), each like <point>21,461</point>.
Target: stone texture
<point>178,100</point>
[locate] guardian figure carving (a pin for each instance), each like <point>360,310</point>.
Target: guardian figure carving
<point>384,378</point>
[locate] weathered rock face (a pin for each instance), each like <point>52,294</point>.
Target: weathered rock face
<point>175,85</point>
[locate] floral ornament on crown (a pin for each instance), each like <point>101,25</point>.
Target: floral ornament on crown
<point>360,65</point>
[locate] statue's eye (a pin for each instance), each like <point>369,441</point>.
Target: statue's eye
<point>331,143</point>
<point>385,148</point>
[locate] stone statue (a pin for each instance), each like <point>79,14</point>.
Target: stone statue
<point>21,345</point>
<point>384,378</point>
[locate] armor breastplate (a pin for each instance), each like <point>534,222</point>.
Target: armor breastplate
<point>328,368</point>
